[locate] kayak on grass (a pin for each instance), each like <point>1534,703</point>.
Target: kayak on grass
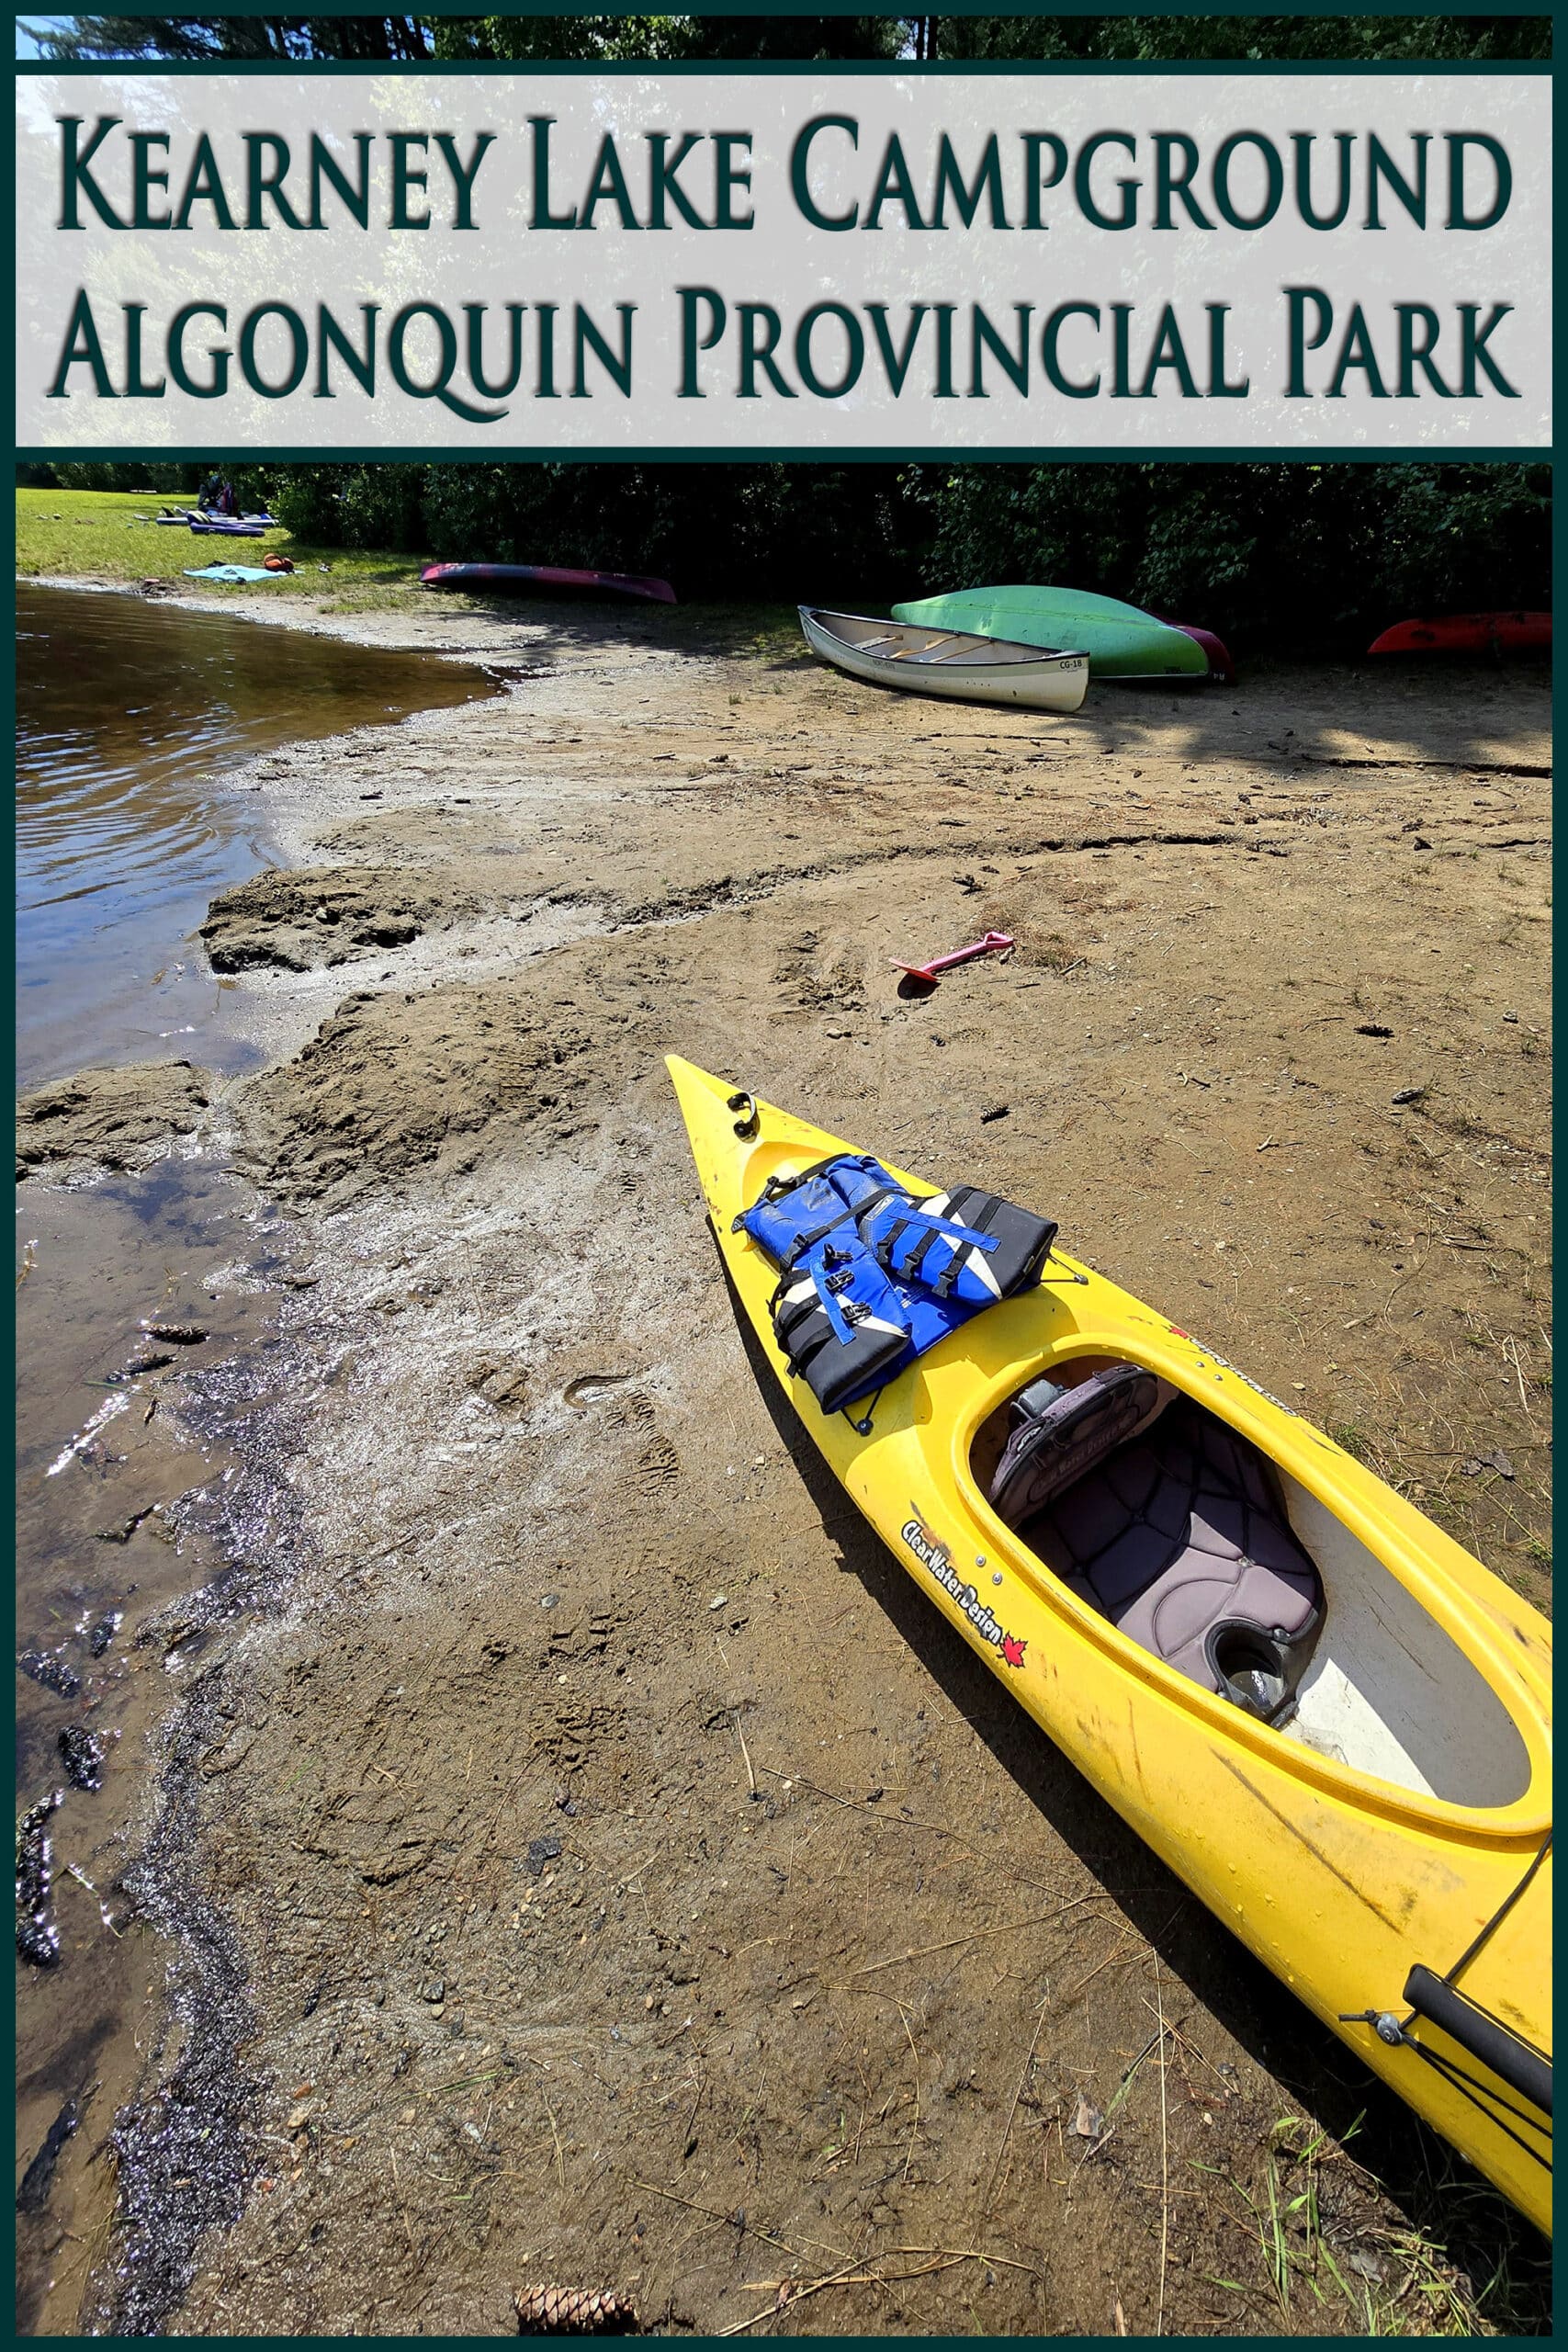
<point>946,661</point>
<point>1469,633</point>
<point>1120,641</point>
<point>197,518</point>
<point>544,579</point>
<point>1332,1723</point>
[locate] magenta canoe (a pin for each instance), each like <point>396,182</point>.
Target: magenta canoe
<point>539,579</point>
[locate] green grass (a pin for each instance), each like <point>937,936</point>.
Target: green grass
<point>1462,2266</point>
<point>101,535</point>
<point>97,534</point>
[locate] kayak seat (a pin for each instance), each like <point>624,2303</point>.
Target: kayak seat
<point>1057,1434</point>
<point>1178,1536</point>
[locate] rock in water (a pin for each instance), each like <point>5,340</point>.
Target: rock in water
<point>32,2194</point>
<point>84,1753</point>
<point>51,1670</point>
<point>118,1119</point>
<point>103,1632</point>
<point>37,1937</point>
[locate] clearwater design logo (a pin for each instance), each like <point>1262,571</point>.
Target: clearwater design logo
<point>933,1554</point>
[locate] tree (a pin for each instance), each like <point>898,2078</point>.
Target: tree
<point>1274,556</point>
<point>393,38</point>
<point>1354,40</point>
<point>586,39</point>
<point>503,38</point>
<point>724,39</point>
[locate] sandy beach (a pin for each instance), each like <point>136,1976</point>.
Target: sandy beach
<point>613,1872</point>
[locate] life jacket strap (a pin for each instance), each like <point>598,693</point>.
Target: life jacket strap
<point>929,1229</point>
<point>872,1275</point>
<point>816,1233</point>
<point>777,1186</point>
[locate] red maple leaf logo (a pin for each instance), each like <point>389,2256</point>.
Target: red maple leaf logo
<point>1013,1649</point>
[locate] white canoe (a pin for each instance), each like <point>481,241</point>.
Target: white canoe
<point>946,662</point>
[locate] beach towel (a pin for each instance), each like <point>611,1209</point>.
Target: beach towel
<point>233,571</point>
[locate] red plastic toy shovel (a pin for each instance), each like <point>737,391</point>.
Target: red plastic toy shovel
<point>993,944</point>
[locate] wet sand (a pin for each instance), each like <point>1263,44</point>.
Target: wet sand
<point>620,1876</point>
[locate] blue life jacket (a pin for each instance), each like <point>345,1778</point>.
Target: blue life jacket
<point>872,1277</point>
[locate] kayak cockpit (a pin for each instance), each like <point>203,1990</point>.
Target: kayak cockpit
<point>1157,1514</point>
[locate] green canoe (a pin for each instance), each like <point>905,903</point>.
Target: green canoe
<point>1120,641</point>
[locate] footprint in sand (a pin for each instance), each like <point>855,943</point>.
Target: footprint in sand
<point>592,1386</point>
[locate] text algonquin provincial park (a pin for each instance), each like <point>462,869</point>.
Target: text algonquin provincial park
<point>1015,258</point>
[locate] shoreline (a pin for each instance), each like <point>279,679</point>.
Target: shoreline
<point>353,629</point>
<point>425,627</point>
<point>560,1546</point>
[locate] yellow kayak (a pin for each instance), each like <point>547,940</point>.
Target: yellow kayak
<point>1383,1843</point>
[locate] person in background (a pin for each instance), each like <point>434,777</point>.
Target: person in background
<point>207,497</point>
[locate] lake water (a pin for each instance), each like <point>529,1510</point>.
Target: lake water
<point>131,717</point>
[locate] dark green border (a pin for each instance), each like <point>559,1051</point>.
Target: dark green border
<point>887,69</point>
<point>1028,453</point>
<point>1047,8</point>
<point>1312,9</point>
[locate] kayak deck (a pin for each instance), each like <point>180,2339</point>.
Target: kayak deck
<point>1387,1824</point>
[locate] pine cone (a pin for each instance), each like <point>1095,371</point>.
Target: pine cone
<point>574,2311</point>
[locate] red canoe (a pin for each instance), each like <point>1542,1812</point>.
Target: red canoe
<point>1469,633</point>
<point>540,579</point>
<point>1222,669</point>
